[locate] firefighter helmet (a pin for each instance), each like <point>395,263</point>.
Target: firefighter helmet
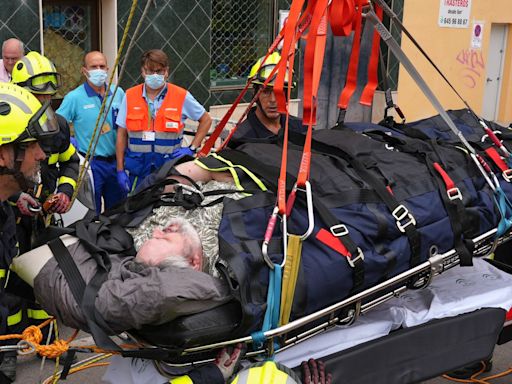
<point>36,73</point>
<point>259,73</point>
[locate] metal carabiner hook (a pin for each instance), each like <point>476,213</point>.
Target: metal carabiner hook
<point>309,203</point>
<point>268,235</point>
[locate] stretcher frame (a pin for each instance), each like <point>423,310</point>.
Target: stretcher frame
<point>418,277</point>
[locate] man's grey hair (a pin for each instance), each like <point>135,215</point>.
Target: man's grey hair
<point>190,247</point>
<point>21,45</point>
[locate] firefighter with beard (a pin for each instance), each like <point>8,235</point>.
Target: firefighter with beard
<point>24,122</point>
<point>59,173</point>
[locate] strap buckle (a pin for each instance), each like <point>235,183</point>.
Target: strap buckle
<point>352,260</point>
<point>401,213</point>
<point>507,175</point>
<point>339,230</point>
<point>454,194</point>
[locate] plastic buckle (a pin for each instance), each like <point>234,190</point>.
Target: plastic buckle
<point>454,194</point>
<point>339,230</point>
<point>507,175</point>
<point>190,189</point>
<point>400,213</point>
<point>352,260</point>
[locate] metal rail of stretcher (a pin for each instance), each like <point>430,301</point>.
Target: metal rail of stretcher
<point>422,274</point>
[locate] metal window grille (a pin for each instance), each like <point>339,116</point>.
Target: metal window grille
<point>67,36</point>
<point>242,31</point>
<point>391,64</point>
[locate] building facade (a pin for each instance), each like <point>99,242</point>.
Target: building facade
<point>471,42</point>
<point>211,43</point>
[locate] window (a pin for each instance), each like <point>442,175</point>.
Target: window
<point>70,29</point>
<point>242,31</point>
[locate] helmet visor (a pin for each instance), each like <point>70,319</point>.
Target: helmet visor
<point>42,125</point>
<point>43,83</point>
<point>265,72</point>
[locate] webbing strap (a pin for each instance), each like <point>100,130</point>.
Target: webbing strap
<point>496,158</point>
<point>287,49</point>
<point>373,66</point>
<point>351,83</point>
<point>505,208</point>
<point>290,275</point>
<point>271,318</point>
<point>341,15</point>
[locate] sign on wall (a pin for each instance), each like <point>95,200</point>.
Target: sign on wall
<point>454,13</point>
<point>477,35</point>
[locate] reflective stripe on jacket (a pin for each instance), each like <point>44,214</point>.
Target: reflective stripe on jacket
<point>166,129</point>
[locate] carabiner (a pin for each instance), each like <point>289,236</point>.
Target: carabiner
<point>309,202</point>
<point>268,235</point>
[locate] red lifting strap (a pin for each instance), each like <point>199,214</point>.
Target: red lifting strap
<point>288,49</point>
<point>351,83</point>
<point>313,61</point>
<point>333,242</point>
<point>447,179</point>
<point>373,66</point>
<point>496,158</point>
<point>341,15</point>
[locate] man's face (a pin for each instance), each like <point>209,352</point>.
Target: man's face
<point>10,55</point>
<point>160,246</point>
<point>94,60</point>
<point>30,167</point>
<point>267,103</point>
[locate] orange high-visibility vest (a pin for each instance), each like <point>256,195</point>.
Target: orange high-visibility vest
<point>168,116</point>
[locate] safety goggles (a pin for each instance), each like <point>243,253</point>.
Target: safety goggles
<point>48,82</point>
<point>42,125</point>
<point>266,71</point>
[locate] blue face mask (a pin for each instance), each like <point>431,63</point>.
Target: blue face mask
<point>97,77</point>
<point>155,81</point>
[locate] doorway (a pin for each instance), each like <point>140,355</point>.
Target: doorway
<point>494,78</point>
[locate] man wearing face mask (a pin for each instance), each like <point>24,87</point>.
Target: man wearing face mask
<point>151,121</point>
<point>81,107</point>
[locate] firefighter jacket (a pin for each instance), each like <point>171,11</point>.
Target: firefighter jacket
<point>61,168</point>
<point>163,133</point>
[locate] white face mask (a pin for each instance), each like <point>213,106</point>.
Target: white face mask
<point>97,77</point>
<point>155,81</point>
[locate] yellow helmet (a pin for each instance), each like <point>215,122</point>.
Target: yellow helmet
<point>259,73</point>
<point>22,117</point>
<point>36,73</point>
<point>268,372</point>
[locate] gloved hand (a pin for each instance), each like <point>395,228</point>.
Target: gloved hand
<point>227,362</point>
<point>73,141</point>
<point>183,151</point>
<point>123,180</point>
<point>314,372</point>
<point>24,202</point>
<point>59,204</point>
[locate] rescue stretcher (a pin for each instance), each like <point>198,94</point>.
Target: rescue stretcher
<point>188,336</point>
<point>193,340</point>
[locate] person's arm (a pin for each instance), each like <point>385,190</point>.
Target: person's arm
<point>121,143</point>
<point>122,134</point>
<point>205,122</point>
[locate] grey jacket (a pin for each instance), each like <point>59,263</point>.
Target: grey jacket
<point>133,296</point>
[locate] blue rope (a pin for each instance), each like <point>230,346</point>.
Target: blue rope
<point>271,319</point>
<point>505,208</point>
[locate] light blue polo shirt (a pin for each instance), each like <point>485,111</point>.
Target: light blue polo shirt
<point>191,108</point>
<point>81,106</point>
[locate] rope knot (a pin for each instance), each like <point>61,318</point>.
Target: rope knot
<point>33,335</point>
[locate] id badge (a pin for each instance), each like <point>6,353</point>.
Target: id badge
<point>105,128</point>
<point>148,136</point>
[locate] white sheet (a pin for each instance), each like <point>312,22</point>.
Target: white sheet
<point>457,291</point>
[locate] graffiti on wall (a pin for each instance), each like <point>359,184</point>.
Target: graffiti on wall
<point>474,66</point>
